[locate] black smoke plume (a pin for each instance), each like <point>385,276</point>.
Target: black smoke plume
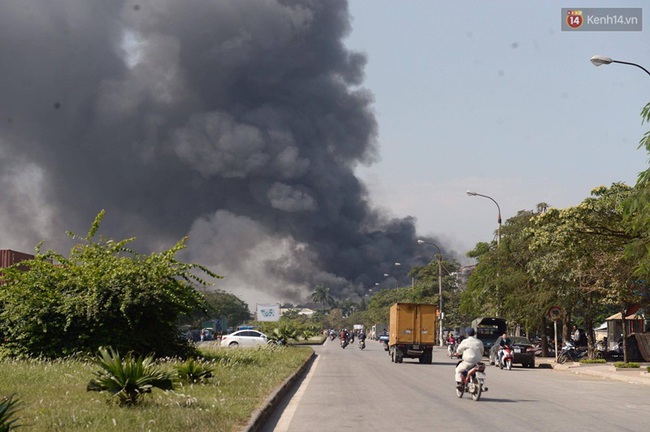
<point>236,122</point>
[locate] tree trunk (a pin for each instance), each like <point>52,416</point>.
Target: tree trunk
<point>589,327</point>
<point>623,324</point>
<point>566,327</point>
<point>544,338</point>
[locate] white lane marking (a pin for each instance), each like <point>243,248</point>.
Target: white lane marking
<point>290,410</point>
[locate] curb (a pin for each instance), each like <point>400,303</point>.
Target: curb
<point>261,415</point>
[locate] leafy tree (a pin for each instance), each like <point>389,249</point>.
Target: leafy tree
<point>502,282</point>
<point>226,305</point>
<point>587,243</point>
<point>103,294</point>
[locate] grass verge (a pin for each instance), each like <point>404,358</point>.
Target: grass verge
<point>54,396</point>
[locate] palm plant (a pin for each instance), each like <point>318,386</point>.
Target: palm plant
<point>280,335</point>
<point>8,409</point>
<point>129,378</point>
<point>322,295</point>
<point>194,371</point>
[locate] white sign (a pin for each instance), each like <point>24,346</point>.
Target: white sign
<point>268,312</point>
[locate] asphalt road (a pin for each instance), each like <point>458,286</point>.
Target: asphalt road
<point>350,389</point>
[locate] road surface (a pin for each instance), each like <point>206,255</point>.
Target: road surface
<point>353,390</point>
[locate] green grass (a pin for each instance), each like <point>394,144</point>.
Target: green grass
<point>54,396</point>
<point>629,365</point>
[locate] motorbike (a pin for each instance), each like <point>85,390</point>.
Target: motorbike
<point>570,353</point>
<point>384,340</point>
<point>362,344</point>
<point>614,354</point>
<point>344,343</point>
<point>506,358</point>
<point>332,336</point>
<point>473,381</point>
<point>451,349</point>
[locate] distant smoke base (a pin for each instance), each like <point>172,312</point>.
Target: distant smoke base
<point>238,122</point>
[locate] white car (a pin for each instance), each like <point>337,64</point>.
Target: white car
<point>244,338</point>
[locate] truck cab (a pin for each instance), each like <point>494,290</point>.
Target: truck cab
<point>488,330</point>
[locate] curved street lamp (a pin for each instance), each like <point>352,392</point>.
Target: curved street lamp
<point>471,193</point>
<point>599,60</point>
<point>440,314</point>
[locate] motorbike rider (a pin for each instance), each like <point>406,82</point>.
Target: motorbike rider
<point>362,337</point>
<point>505,343</point>
<point>383,338</point>
<point>471,351</point>
<point>451,344</point>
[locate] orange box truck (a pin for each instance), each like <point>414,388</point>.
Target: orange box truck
<point>412,332</point>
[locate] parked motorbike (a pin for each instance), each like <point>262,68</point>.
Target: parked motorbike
<point>362,344</point>
<point>473,382</point>
<point>570,353</point>
<point>602,352</point>
<point>506,358</point>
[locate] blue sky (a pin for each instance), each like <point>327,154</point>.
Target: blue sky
<point>494,97</point>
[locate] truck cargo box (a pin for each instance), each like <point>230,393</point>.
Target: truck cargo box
<point>412,331</point>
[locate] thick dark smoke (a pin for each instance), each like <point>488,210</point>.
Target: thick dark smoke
<point>236,122</point>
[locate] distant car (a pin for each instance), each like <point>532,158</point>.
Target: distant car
<point>244,338</point>
<point>522,348</point>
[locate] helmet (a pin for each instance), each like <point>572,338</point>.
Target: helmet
<point>469,331</point>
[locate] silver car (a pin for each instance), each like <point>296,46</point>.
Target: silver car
<point>244,338</point>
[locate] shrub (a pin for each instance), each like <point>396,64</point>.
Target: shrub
<point>629,365</point>
<point>129,378</point>
<point>590,361</point>
<point>194,371</point>
<point>103,294</point>
<point>8,409</point>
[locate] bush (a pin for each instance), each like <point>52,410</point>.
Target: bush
<point>103,294</point>
<point>8,409</point>
<point>193,371</point>
<point>129,378</point>
<point>591,361</point>
<point>629,365</point>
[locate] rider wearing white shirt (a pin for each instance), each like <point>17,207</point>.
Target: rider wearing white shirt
<point>471,350</point>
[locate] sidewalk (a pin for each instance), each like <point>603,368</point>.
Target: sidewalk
<point>603,370</point>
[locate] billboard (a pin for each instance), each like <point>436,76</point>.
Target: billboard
<point>268,312</point>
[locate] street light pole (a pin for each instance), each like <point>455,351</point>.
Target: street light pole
<point>440,313</point>
<point>470,193</point>
<point>397,280</point>
<point>599,60</point>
